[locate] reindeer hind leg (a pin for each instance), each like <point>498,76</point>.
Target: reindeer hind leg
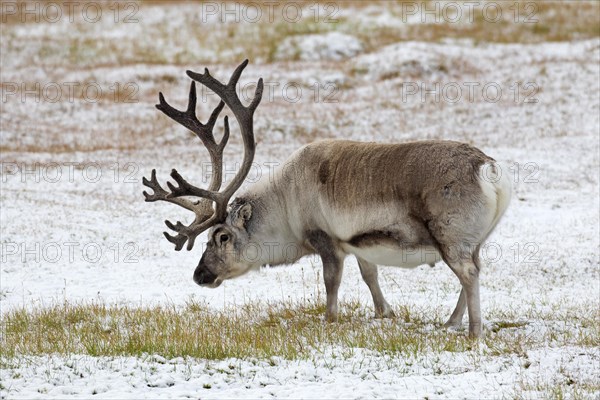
<point>369,275</point>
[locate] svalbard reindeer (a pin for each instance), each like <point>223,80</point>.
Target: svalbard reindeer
<point>387,204</point>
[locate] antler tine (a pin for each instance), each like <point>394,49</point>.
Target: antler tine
<point>257,96</point>
<point>225,138</point>
<point>227,92</point>
<point>190,232</point>
<point>213,117</point>
<point>159,192</point>
<point>188,117</point>
<point>203,212</point>
<point>235,77</point>
<point>162,194</point>
<point>178,240</point>
<point>187,189</point>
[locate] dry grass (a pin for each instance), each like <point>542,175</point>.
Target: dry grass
<point>529,22</point>
<point>79,125</point>
<point>536,21</point>
<point>290,331</point>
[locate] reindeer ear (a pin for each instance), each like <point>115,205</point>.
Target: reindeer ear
<point>242,215</point>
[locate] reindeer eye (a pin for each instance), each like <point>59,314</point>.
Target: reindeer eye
<point>223,238</point>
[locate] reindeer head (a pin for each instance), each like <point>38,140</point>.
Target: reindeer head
<point>226,255</point>
<point>222,258</point>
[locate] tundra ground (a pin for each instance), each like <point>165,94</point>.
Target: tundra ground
<point>94,301</point>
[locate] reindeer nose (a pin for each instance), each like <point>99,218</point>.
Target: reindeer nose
<point>202,276</point>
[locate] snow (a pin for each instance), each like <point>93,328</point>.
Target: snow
<point>330,46</point>
<point>544,256</point>
<point>365,375</point>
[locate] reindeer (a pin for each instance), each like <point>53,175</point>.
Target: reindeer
<point>387,204</point>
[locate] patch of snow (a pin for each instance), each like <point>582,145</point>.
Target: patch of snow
<point>333,46</point>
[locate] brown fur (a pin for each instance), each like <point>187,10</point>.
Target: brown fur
<point>349,170</point>
<point>429,182</point>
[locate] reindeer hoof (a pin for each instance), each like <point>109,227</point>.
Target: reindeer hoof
<point>453,326</point>
<point>331,318</point>
<point>387,312</point>
<point>477,334</point>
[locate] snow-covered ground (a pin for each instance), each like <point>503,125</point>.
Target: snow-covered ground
<point>75,227</point>
<point>366,375</point>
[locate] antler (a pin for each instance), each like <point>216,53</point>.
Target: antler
<point>205,216</point>
<point>244,116</point>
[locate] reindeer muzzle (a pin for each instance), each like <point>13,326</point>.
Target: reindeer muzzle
<point>203,277</point>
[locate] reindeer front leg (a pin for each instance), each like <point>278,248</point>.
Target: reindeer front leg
<point>333,266</point>
<point>332,273</point>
